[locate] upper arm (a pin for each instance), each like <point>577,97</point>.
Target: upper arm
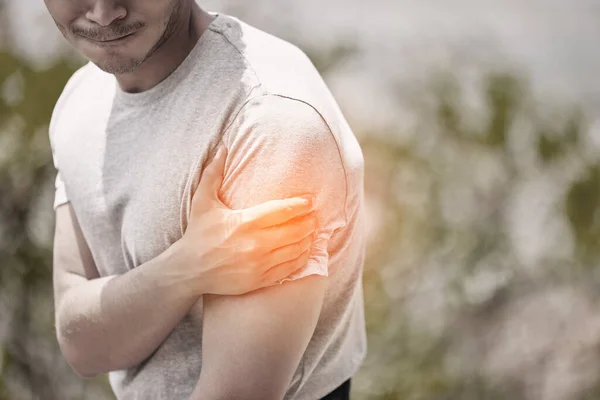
<point>280,148</point>
<point>72,259</point>
<point>253,343</point>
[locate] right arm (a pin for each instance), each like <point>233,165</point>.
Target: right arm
<point>115,322</point>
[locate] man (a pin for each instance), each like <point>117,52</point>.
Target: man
<point>165,271</point>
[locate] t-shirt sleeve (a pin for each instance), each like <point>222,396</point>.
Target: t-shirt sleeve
<point>278,148</point>
<point>60,194</point>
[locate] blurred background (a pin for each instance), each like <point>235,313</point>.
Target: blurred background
<point>480,127</point>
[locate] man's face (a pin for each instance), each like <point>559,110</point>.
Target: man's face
<point>116,35</point>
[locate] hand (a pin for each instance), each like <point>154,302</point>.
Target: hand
<point>232,252</point>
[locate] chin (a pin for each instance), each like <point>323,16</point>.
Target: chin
<point>117,65</point>
<point>117,60</point>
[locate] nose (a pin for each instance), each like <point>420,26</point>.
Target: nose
<point>104,12</point>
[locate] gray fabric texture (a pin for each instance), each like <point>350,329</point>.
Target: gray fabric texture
<point>129,164</point>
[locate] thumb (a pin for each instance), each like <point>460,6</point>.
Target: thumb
<point>212,179</point>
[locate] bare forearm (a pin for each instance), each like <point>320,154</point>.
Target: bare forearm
<point>118,321</point>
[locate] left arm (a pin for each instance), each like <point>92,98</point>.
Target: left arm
<point>252,344</point>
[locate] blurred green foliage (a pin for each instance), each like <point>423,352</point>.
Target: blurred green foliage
<point>28,97</point>
<point>583,210</point>
<point>405,361</point>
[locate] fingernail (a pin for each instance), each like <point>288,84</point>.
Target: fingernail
<point>308,198</point>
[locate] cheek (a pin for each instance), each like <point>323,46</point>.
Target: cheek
<point>63,11</point>
<point>156,11</point>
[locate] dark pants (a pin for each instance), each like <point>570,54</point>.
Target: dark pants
<point>341,393</point>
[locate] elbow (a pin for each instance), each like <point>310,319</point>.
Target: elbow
<point>78,364</point>
<point>84,374</point>
<point>79,357</point>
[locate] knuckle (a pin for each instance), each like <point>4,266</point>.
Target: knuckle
<point>259,268</point>
<point>280,204</point>
<point>305,254</point>
<point>239,218</point>
<point>263,278</point>
<point>301,246</point>
<point>307,238</point>
<point>296,249</point>
<point>295,263</point>
<point>250,246</point>
<point>308,241</point>
<point>302,227</point>
<point>259,247</point>
<point>233,222</point>
<point>306,226</point>
<point>302,258</point>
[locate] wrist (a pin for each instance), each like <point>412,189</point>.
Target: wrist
<point>185,270</point>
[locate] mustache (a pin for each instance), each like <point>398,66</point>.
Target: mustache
<point>109,32</point>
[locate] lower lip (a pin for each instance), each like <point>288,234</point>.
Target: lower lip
<point>115,42</point>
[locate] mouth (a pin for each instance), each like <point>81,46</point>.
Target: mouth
<point>110,40</point>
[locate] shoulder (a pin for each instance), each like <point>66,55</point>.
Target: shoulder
<point>73,85</point>
<point>74,82</point>
<point>279,66</point>
<point>272,119</point>
<point>286,110</point>
<point>286,143</point>
<point>256,45</point>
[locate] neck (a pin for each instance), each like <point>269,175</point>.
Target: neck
<point>170,54</point>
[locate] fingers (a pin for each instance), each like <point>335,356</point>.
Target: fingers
<point>285,269</point>
<point>273,237</point>
<point>276,212</point>
<point>288,253</point>
<point>212,178</point>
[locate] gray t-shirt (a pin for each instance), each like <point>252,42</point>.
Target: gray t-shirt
<point>130,163</point>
